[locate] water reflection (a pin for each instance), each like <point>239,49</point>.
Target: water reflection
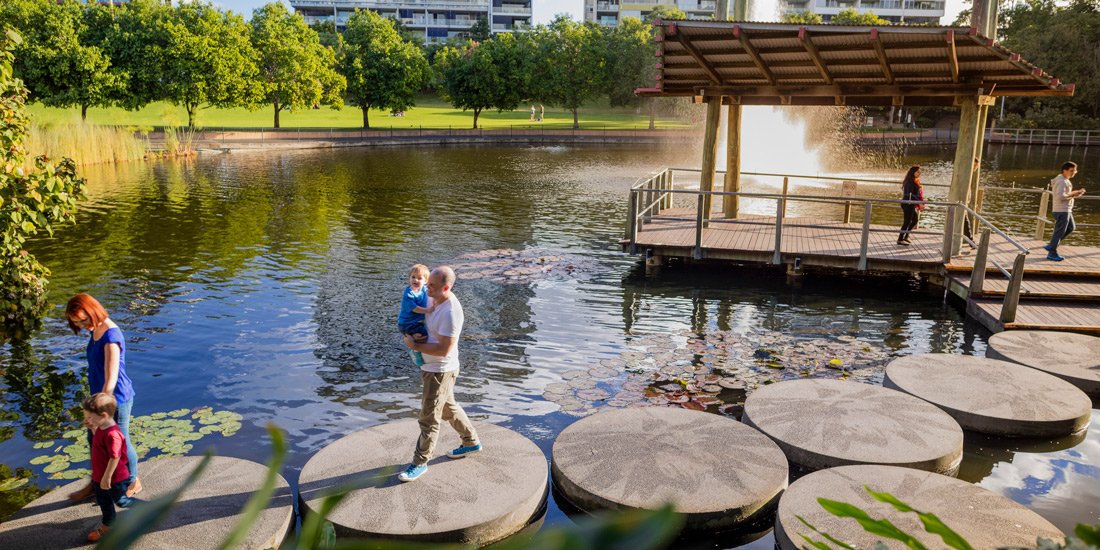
<point>267,284</point>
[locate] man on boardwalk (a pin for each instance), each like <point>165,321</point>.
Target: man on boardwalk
<point>1063,193</point>
<point>438,374</point>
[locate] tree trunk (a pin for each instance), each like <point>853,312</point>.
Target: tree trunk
<point>576,124</point>
<point>652,113</point>
<point>190,114</point>
<point>366,116</point>
<point>83,112</point>
<point>276,103</point>
<point>476,113</point>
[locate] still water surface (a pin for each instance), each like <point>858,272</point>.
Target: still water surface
<point>268,284</point>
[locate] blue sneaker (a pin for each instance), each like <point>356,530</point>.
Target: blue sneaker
<point>1048,248</point>
<point>463,452</point>
<point>417,357</point>
<point>412,473</point>
<point>1054,257</point>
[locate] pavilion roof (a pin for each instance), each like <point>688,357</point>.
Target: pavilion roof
<point>792,64</point>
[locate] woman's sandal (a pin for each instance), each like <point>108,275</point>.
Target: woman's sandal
<point>135,487</point>
<point>85,493</point>
<point>96,534</point>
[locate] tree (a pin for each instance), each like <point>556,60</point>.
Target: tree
<point>852,17</point>
<point>383,71</point>
<point>328,35</point>
<point>480,31</point>
<point>296,71</point>
<point>488,75</point>
<point>1063,40</point>
<point>664,13</point>
<point>56,61</point>
<point>571,63</point>
<point>803,18</point>
<point>629,62</point>
<point>191,55</point>
<point>31,202</point>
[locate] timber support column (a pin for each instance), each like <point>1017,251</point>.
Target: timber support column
<point>710,152</point>
<point>731,204</point>
<point>979,150</point>
<point>965,151</point>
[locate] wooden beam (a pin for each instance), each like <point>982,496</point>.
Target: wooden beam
<point>749,49</point>
<point>952,56</point>
<point>731,204</point>
<point>702,61</point>
<point>853,90</point>
<point>814,55</point>
<point>881,53</point>
<point>710,152</point>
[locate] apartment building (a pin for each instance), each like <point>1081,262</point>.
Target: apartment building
<point>608,12</point>
<point>896,11</point>
<point>434,20</point>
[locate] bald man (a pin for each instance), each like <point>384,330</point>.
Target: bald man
<point>439,373</point>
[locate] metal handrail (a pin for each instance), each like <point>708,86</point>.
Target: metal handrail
<point>808,177</point>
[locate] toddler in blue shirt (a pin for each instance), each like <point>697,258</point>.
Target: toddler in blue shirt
<point>414,304</point>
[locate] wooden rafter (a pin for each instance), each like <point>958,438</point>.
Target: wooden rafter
<point>952,56</point>
<point>881,53</point>
<point>814,55</point>
<point>756,59</point>
<point>702,61</point>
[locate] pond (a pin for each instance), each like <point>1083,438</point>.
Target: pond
<point>264,287</point>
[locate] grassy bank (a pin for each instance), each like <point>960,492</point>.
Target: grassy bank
<point>430,112</point>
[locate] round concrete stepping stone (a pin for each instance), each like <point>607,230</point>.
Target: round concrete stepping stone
<point>825,423</point>
<point>991,396</point>
<point>202,518</point>
<point>475,500</point>
<point>1072,357</point>
<point>982,517</point>
<point>718,472</point>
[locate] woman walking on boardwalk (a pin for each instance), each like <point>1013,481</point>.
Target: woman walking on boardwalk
<point>911,190</point>
<point>107,374</point>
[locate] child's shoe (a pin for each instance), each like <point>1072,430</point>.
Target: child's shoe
<point>417,357</point>
<point>85,492</point>
<point>97,533</point>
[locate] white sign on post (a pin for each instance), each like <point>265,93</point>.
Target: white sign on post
<point>848,189</point>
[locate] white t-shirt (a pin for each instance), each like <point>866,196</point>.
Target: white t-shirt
<point>446,320</point>
<point>1062,187</point>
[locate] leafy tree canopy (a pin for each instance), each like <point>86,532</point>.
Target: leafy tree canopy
<point>296,71</point>
<point>803,18</point>
<point>489,75</point>
<point>852,17</point>
<point>569,60</point>
<point>664,12</point>
<point>630,63</point>
<point>382,69</point>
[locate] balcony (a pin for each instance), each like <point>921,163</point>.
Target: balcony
<point>512,10</point>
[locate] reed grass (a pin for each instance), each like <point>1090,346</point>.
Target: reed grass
<point>86,143</point>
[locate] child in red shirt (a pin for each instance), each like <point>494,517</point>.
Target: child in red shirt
<point>109,465</point>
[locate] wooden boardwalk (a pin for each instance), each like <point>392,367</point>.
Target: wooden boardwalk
<point>1054,295</point>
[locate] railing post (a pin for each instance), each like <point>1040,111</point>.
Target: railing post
<point>1012,295</point>
<point>632,222</point>
<point>979,200</point>
<point>786,182</point>
<point>948,232</point>
<point>699,228</point>
<point>1040,223</point>
<point>780,208</point>
<point>865,236</point>
<point>977,275</point>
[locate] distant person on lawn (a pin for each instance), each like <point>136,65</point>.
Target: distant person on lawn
<point>438,374</point>
<point>106,355</point>
<point>1063,193</point>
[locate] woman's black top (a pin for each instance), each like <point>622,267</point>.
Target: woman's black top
<point>910,191</point>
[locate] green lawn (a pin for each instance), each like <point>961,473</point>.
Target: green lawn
<point>430,112</point>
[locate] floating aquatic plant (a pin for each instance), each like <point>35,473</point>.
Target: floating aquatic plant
<point>158,435</point>
<point>713,371</point>
<point>508,266</point>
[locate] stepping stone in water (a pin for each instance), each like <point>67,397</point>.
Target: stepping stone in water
<point>718,472</point>
<point>202,518</point>
<point>1072,357</point>
<point>991,396</point>
<point>984,518</point>
<point>479,499</point>
<point>824,423</point>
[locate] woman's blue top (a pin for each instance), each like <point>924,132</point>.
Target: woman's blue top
<point>97,365</point>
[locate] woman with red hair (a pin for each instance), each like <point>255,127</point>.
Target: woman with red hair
<point>107,374</point>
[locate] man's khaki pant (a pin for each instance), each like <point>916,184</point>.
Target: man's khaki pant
<point>438,404</point>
